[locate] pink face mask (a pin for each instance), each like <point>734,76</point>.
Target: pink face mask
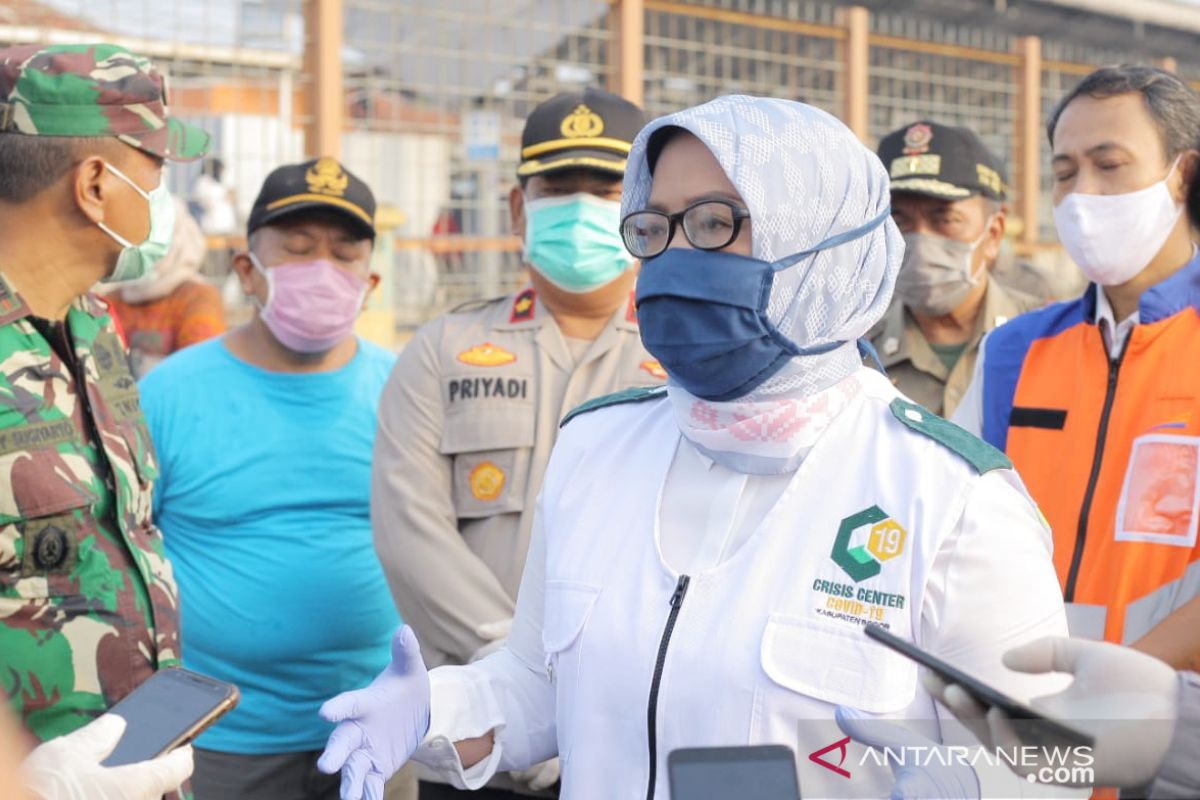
<point>311,306</point>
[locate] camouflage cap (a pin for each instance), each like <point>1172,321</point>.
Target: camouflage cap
<point>92,90</point>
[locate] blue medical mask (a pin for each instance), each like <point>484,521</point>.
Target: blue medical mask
<point>575,241</point>
<point>703,315</point>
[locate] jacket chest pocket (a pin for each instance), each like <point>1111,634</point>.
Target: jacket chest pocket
<point>568,606</point>
<point>490,451</point>
<point>807,659</point>
<point>46,498</point>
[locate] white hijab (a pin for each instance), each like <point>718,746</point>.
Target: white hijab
<point>805,178</point>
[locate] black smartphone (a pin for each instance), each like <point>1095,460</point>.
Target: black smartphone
<point>170,709</point>
<point>1044,728</point>
<point>764,772</point>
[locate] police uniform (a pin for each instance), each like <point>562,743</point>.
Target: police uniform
<point>470,414</point>
<point>947,164</point>
<point>88,605</point>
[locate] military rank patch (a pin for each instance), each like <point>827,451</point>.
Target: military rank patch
<point>487,355</point>
<point>487,481</point>
<point>653,368</point>
<point>524,306</point>
<point>927,164</point>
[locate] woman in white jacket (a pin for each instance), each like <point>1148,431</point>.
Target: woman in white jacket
<point>704,556</point>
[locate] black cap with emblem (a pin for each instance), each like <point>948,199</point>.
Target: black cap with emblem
<point>591,129</point>
<point>941,161</point>
<point>321,184</point>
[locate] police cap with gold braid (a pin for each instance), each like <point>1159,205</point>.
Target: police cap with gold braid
<point>941,161</point>
<point>589,129</point>
<point>322,184</point>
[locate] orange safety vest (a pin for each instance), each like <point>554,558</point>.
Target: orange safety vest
<point>1109,450</point>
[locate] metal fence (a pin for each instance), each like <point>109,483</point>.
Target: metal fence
<point>435,94</point>
<point>691,58</point>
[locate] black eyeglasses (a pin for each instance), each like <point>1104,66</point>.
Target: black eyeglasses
<point>708,225</point>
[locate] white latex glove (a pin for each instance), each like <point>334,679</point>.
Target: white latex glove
<point>1126,699</point>
<point>381,726</point>
<point>68,768</point>
<point>539,776</point>
<point>938,779</point>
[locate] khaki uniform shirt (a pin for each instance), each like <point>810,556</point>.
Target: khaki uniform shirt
<point>466,424</point>
<point>88,605</point>
<point>916,369</point>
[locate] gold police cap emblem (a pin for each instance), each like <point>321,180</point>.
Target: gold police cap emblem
<point>582,123</point>
<point>327,177</point>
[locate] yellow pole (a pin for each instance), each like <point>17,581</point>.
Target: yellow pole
<point>1029,137</point>
<point>856,63</point>
<point>324,34</point>
<point>628,23</point>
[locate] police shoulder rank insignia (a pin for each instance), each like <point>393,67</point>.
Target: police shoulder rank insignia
<point>487,355</point>
<point>637,395</point>
<point>976,452</point>
<point>487,481</point>
<point>653,368</point>
<point>524,306</point>
<point>327,177</point>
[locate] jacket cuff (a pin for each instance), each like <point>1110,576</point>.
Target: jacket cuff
<point>460,708</point>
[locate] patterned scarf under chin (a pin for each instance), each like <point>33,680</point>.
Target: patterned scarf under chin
<point>766,436</point>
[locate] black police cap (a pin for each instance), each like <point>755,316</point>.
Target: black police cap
<point>322,184</point>
<point>941,161</point>
<point>590,129</point>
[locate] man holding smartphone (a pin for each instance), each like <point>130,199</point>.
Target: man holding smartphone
<point>88,606</point>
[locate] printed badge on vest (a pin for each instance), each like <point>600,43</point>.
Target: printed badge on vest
<point>1161,496</point>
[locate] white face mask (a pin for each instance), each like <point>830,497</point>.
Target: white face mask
<point>1112,237</point>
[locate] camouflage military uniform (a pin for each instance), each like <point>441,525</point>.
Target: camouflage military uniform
<point>87,603</point>
<point>88,606</point>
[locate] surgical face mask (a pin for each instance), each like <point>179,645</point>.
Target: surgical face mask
<point>311,306</point>
<point>703,315</point>
<point>1113,237</point>
<point>936,275</point>
<point>136,260</point>
<point>575,241</point>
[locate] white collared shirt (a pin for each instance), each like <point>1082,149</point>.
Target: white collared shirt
<point>1107,321</point>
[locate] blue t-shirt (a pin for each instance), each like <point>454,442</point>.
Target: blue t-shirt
<point>264,505</point>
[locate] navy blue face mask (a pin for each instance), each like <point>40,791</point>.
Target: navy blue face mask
<point>703,315</point>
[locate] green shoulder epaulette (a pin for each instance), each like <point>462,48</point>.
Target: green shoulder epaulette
<point>976,452</point>
<point>638,394</point>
